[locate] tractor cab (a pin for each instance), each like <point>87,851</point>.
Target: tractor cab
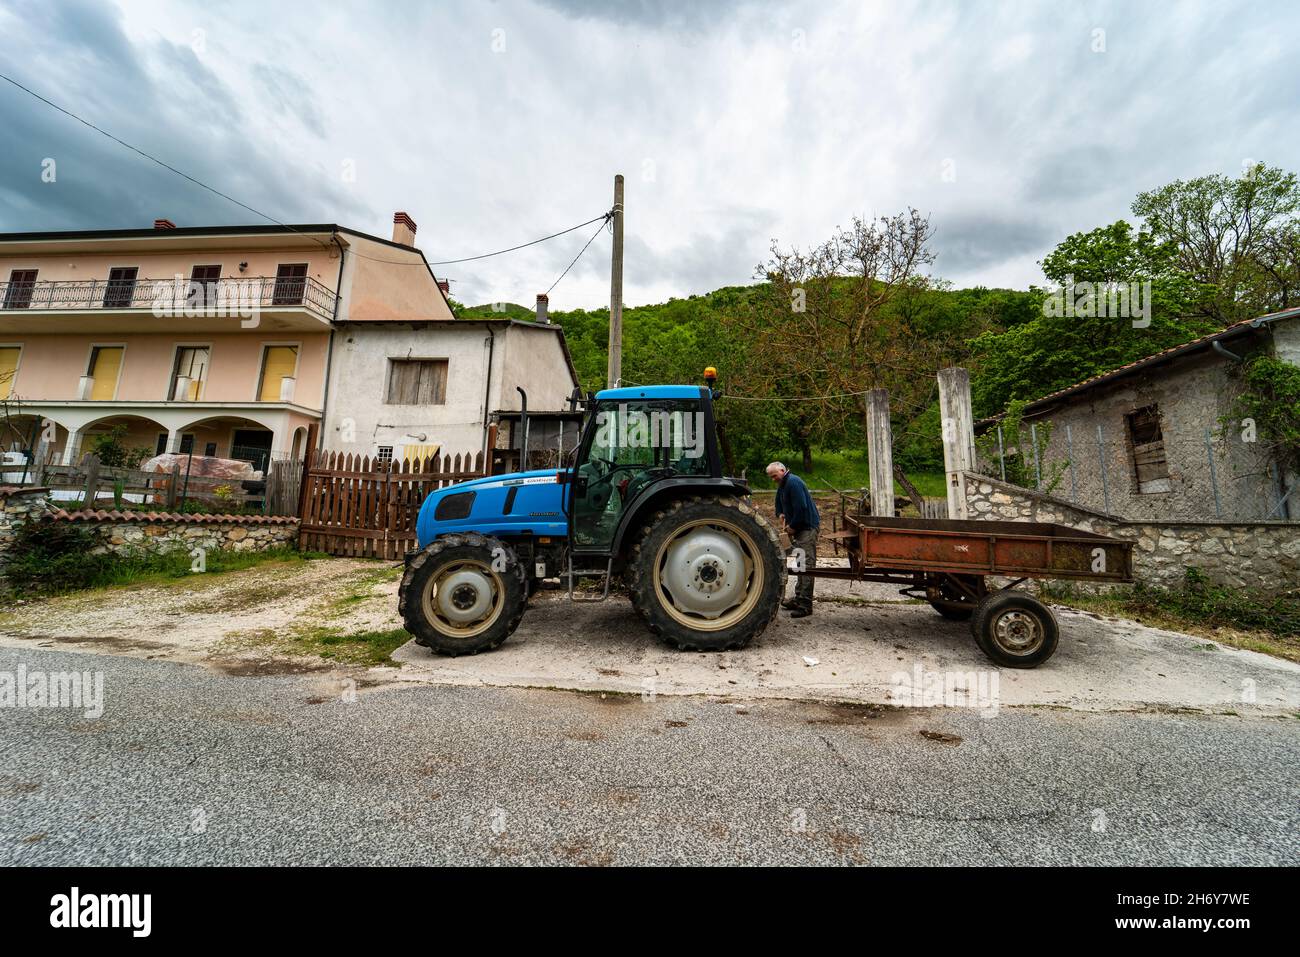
<point>636,442</point>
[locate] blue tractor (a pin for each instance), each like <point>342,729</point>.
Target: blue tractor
<point>644,503</point>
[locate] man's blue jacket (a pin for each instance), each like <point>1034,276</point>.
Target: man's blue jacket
<point>795,504</point>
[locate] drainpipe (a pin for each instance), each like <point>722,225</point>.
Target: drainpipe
<point>1218,347</point>
<point>487,397</point>
<point>329,349</point>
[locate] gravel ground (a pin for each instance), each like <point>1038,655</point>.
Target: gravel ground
<point>187,766</point>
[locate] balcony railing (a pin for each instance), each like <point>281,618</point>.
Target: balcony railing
<point>170,296</point>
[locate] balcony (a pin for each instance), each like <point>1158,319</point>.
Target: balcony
<point>298,303</point>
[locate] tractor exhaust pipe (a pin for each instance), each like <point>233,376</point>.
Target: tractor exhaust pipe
<point>523,426</point>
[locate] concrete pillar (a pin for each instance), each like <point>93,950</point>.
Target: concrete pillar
<point>958,435</point>
<point>71,446</point>
<point>880,449</point>
<point>173,440</point>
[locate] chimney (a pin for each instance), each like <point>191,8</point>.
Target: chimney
<point>403,229</point>
<point>543,303</point>
<point>445,286</point>
<point>163,224</point>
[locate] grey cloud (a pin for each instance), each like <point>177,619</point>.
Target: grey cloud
<point>652,13</point>
<point>193,122</point>
<point>291,96</point>
<point>971,241</point>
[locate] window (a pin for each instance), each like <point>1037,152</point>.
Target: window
<point>210,450</point>
<point>105,367</point>
<point>454,507</point>
<point>191,361</point>
<point>8,369</point>
<point>120,290</point>
<point>416,382</point>
<point>384,456</point>
<point>630,446</point>
<point>290,284</point>
<point>278,363</point>
<point>161,447</point>
<point>204,282</point>
<point>187,443</point>
<point>18,294</point>
<point>1148,441</point>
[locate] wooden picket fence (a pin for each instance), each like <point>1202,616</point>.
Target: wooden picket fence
<point>355,507</point>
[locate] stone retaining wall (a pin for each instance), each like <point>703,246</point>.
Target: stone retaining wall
<point>1261,556</point>
<point>17,507</point>
<point>135,533</point>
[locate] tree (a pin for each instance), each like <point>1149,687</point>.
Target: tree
<point>823,325</point>
<point>1055,350</point>
<point>1237,235</point>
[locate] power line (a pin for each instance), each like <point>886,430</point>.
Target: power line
<point>798,398</point>
<point>257,212</point>
<point>499,252</point>
<point>598,231</point>
<point>154,159</point>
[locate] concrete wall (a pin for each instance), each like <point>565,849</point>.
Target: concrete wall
<point>534,360</point>
<point>1261,556</point>
<point>50,366</point>
<point>1192,396</point>
<point>531,358</point>
<point>382,282</point>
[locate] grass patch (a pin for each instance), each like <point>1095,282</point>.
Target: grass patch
<point>849,470</point>
<point>845,470</point>
<point>359,647</point>
<point>1231,616</point>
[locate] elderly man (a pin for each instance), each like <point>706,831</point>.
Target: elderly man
<point>798,515</point>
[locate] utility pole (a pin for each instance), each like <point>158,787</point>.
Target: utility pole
<point>615,369</point>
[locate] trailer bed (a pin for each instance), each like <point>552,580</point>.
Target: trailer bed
<point>969,570</point>
<point>996,549</point>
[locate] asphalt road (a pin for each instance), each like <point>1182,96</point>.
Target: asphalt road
<point>188,766</point>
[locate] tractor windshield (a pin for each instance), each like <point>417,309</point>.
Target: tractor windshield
<point>631,446</point>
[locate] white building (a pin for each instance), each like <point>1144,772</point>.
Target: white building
<point>413,389</point>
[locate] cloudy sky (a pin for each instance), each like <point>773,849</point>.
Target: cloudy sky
<point>1011,124</point>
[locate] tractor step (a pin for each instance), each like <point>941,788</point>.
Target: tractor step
<point>605,573</point>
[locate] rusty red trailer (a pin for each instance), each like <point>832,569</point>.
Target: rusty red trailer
<point>949,562</point>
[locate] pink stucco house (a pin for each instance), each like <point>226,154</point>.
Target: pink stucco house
<point>208,339</point>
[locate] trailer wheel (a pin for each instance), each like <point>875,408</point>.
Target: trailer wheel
<point>1015,630</point>
<point>949,592</point>
<point>463,594</point>
<point>707,574</point>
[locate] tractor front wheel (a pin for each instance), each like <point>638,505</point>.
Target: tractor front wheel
<point>707,574</point>
<point>463,594</point>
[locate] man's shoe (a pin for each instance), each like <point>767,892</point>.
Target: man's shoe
<point>801,611</point>
<point>790,604</point>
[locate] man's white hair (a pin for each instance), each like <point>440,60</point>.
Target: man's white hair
<point>776,465</point>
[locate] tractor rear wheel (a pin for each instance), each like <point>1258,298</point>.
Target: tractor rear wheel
<point>463,594</point>
<point>707,574</point>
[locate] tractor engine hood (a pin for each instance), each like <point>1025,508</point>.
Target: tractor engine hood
<point>521,503</point>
